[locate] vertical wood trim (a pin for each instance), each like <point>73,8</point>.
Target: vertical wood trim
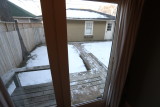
<point>17,81</point>
<point>3,102</point>
<point>56,39</point>
<point>128,23</point>
<point>5,98</point>
<point>107,91</point>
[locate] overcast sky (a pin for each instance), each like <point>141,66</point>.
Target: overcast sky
<point>34,7</point>
<point>84,4</point>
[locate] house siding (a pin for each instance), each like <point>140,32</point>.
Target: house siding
<point>76,29</point>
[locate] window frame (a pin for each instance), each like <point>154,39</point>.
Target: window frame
<point>109,26</point>
<point>85,30</point>
<point>54,16</point>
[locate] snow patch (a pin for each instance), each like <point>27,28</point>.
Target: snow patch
<point>75,62</point>
<point>11,88</point>
<point>40,57</point>
<point>101,50</point>
<point>30,78</point>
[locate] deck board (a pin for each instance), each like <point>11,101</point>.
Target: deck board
<point>32,101</point>
<point>22,91</point>
<point>47,103</point>
<point>42,95</point>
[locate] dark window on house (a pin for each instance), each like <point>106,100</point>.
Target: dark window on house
<point>109,27</point>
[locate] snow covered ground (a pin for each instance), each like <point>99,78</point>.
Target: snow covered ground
<point>100,49</point>
<point>40,57</point>
<point>75,62</point>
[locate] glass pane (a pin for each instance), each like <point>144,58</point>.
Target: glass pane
<point>89,54</point>
<point>24,65</point>
<point>88,31</point>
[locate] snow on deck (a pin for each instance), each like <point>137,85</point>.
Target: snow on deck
<point>75,62</point>
<point>101,50</point>
<point>40,57</point>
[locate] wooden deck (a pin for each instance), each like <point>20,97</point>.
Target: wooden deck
<point>85,86</point>
<point>42,95</point>
<point>34,96</point>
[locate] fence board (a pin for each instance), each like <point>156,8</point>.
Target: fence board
<point>36,36</point>
<point>41,33</point>
<point>5,54</point>
<point>10,49</point>
<point>6,50</point>
<point>18,46</point>
<point>2,65</point>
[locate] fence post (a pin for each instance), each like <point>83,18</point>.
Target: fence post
<point>25,53</point>
<point>17,81</point>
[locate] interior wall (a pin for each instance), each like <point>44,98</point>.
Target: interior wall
<point>142,88</point>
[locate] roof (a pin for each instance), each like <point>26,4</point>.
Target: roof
<point>18,11</point>
<point>87,14</point>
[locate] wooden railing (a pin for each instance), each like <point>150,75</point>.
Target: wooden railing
<point>12,75</point>
<point>79,80</point>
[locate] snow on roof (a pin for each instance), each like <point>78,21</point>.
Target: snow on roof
<point>32,6</point>
<point>86,14</point>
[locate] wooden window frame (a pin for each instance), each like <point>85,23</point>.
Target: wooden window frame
<point>5,100</point>
<point>85,29</point>
<point>127,23</point>
<point>54,16</point>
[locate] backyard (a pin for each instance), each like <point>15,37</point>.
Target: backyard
<point>77,68</point>
<point>40,57</point>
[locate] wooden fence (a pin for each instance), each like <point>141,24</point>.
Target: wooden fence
<point>10,48</point>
